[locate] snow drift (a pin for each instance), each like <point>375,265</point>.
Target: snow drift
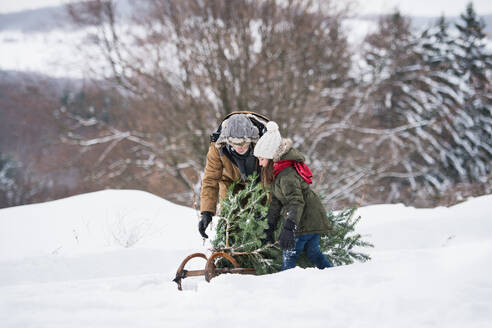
<point>107,259</point>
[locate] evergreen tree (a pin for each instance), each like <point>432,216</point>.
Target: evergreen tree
<point>474,59</point>
<point>474,120</point>
<point>241,230</point>
<point>448,92</point>
<point>242,223</point>
<point>436,85</point>
<point>458,66</point>
<point>10,182</point>
<point>402,99</point>
<point>6,168</point>
<point>392,70</point>
<point>341,244</point>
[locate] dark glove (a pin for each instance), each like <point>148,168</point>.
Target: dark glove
<point>269,237</point>
<point>269,232</point>
<point>204,222</point>
<point>287,238</point>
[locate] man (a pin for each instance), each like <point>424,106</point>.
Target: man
<point>229,159</point>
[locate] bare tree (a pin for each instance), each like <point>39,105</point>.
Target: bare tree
<point>190,63</point>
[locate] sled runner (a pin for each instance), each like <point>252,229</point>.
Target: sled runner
<point>210,270</point>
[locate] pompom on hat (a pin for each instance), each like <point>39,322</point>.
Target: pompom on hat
<point>269,144</point>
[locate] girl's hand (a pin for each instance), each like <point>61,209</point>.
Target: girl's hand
<point>287,238</point>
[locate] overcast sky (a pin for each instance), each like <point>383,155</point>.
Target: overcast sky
<point>407,7</point>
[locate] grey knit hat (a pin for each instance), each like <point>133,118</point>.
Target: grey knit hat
<point>237,130</point>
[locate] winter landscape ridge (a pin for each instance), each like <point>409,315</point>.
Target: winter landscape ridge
<point>106,259</point>
<point>38,37</point>
<point>42,80</point>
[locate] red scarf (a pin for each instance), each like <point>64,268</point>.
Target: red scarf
<point>301,168</point>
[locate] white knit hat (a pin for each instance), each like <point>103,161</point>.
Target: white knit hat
<point>269,143</point>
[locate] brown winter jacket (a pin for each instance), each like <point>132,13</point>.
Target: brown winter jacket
<point>219,174</point>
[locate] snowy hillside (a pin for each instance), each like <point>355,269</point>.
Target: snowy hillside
<point>106,259</point>
<point>41,39</point>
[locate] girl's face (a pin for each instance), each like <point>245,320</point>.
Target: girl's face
<point>263,161</point>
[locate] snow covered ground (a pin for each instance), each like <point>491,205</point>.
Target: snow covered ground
<point>106,259</point>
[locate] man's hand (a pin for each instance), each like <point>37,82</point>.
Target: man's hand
<point>204,222</point>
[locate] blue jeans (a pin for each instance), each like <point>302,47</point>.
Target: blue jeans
<point>310,242</point>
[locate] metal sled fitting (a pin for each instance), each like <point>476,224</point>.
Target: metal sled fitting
<point>210,270</point>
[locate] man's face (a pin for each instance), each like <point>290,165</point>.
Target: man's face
<point>241,149</point>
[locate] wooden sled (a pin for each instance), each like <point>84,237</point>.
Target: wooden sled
<point>210,270</point>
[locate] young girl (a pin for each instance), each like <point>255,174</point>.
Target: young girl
<point>293,202</point>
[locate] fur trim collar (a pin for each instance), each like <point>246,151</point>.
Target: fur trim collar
<point>285,146</point>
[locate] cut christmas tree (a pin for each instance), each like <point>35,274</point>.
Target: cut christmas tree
<point>240,231</point>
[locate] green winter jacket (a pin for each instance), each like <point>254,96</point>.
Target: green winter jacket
<point>292,198</point>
